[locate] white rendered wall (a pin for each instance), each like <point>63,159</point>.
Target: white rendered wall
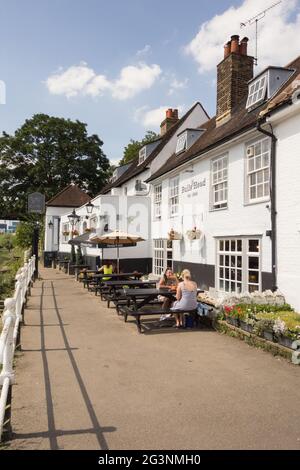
<point>238,219</point>
<point>130,214</point>
<point>288,208</point>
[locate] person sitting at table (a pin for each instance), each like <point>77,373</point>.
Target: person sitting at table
<point>167,280</point>
<point>186,296</point>
<point>106,268</point>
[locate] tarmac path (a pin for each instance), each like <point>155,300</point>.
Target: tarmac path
<point>86,380</point>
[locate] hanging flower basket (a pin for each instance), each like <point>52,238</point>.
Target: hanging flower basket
<point>87,230</point>
<point>75,233</point>
<point>193,234</point>
<point>173,235</point>
<point>66,233</point>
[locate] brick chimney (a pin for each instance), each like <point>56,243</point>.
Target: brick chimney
<point>233,74</point>
<point>171,119</point>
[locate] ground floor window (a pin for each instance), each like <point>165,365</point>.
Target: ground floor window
<point>239,264</point>
<point>162,256</point>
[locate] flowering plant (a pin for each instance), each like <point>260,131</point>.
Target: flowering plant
<point>66,233</point>
<point>279,327</point>
<point>87,230</point>
<point>75,232</point>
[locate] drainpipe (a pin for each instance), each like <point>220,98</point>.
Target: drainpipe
<point>273,201</point>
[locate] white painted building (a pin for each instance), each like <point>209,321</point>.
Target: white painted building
<point>221,187</point>
<point>129,214</point>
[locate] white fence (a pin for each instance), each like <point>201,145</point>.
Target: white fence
<point>10,337</point>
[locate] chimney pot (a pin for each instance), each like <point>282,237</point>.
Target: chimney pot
<point>243,46</point>
<point>169,113</point>
<point>235,44</point>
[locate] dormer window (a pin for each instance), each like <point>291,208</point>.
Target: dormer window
<point>114,176</point>
<point>257,91</point>
<point>142,155</point>
<point>266,85</point>
<point>187,138</point>
<point>181,142</point>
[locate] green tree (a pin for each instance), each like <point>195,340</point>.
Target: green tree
<point>45,154</point>
<point>134,146</point>
<point>24,234</point>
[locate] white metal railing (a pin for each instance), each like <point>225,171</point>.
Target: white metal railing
<point>10,336</point>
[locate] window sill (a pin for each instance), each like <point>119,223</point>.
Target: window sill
<point>258,201</point>
<point>217,210</point>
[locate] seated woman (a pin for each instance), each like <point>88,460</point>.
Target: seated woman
<point>107,268</point>
<point>169,280</point>
<point>186,296</point>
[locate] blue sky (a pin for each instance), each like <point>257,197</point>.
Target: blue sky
<point>117,65</point>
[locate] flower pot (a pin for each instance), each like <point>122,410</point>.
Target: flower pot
<point>246,327</point>
<point>285,341</point>
<point>268,335</point>
<point>233,321</point>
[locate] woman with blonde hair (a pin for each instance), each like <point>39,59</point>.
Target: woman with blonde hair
<point>186,296</point>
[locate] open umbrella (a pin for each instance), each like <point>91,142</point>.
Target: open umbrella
<point>117,239</point>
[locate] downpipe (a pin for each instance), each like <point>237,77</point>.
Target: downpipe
<point>273,200</point>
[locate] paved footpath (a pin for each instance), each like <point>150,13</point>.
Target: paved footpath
<point>86,380</point>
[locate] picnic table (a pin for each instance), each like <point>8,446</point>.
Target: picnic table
<point>63,264</point>
<point>114,294</point>
<point>141,300</point>
<point>77,267</point>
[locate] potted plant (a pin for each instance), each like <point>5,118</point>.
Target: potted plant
<point>193,234</point>
<point>172,235</point>
<point>87,230</point>
<point>264,328</point>
<point>75,233</point>
<point>232,315</point>
<point>247,320</point>
<point>66,233</point>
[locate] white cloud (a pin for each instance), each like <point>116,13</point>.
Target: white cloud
<point>71,82</point>
<point>135,79</point>
<point>142,52</point>
<point>152,118</point>
<point>83,80</point>
<point>176,85</point>
<point>278,40</point>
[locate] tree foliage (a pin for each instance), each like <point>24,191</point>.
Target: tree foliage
<point>24,234</point>
<point>134,146</point>
<point>46,154</point>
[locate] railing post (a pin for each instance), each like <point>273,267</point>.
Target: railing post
<point>7,377</point>
<point>18,299</point>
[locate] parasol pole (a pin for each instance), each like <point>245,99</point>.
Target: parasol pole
<point>118,262</point>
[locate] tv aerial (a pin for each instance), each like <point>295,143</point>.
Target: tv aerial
<point>255,19</point>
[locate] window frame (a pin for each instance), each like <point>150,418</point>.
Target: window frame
<point>214,186</point>
<point>181,144</point>
<point>164,248</point>
<point>256,171</point>
<point>173,197</point>
<point>157,201</point>
<point>142,154</point>
<point>224,266</point>
<point>259,90</point>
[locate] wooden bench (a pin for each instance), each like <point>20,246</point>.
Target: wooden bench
<point>148,311</point>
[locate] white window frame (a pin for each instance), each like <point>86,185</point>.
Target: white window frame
<point>142,154</point>
<point>157,201</point>
<point>219,182</point>
<point>257,91</point>
<point>162,255</point>
<point>174,196</point>
<point>233,264</point>
<point>258,168</point>
<point>181,142</point>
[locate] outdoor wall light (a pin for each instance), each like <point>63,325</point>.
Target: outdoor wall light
<point>89,207</point>
<point>105,229</point>
<point>50,225</point>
